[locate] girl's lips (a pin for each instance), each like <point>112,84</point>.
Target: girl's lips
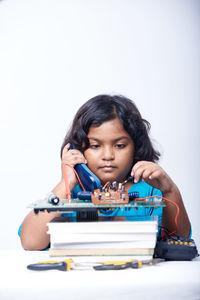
<point>108,168</point>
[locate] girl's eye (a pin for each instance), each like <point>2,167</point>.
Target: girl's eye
<point>120,146</point>
<point>94,146</point>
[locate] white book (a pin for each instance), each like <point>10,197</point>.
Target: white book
<point>101,237</point>
<point>100,245</point>
<point>103,227</point>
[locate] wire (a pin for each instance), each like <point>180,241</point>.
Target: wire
<point>105,185</point>
<point>64,169</point>
<point>172,202</point>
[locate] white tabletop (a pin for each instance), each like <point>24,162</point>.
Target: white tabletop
<point>178,279</point>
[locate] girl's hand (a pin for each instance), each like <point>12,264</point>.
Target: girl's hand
<point>152,174</point>
<point>72,157</point>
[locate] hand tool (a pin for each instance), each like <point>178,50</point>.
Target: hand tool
<point>69,264</point>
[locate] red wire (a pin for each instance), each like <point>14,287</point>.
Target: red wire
<point>177,210</point>
<point>105,185</point>
<point>66,179</point>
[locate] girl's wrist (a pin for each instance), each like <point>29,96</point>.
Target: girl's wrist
<point>60,190</point>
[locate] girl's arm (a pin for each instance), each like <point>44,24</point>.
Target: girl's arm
<point>34,227</point>
<point>169,213</point>
<point>155,176</point>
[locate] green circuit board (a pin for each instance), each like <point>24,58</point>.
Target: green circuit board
<point>77,204</point>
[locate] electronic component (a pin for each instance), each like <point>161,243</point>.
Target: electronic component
<point>176,248</point>
<point>111,193</point>
<point>109,197</point>
<point>53,199</point>
<point>88,196</point>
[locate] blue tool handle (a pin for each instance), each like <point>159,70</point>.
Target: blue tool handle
<point>62,266</point>
<point>111,267</point>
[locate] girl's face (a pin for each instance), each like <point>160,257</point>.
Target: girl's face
<point>111,151</point>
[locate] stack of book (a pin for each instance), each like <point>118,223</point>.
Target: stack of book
<point>105,238</point>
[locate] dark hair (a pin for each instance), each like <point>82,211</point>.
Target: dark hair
<point>104,108</point>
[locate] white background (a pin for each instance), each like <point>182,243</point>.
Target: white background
<point>56,54</point>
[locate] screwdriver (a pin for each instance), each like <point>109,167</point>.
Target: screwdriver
<point>119,265</point>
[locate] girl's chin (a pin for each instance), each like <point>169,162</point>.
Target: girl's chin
<point>105,177</point>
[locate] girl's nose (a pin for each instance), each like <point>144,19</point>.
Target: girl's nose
<point>108,153</point>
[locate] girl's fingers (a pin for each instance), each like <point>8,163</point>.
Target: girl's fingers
<point>152,174</point>
<point>78,159</point>
<point>155,174</point>
<point>137,166</point>
<point>139,173</point>
<point>147,174</point>
<point>143,170</point>
<point>65,149</point>
<point>67,146</point>
<point>72,156</point>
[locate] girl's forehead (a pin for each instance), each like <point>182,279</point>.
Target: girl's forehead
<point>112,129</point>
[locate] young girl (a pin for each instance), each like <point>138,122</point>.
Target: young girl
<point>111,138</point>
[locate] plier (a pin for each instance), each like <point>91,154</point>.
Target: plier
<point>69,264</point>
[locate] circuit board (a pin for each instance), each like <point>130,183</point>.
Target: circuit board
<point>77,205</point>
<point>110,197</point>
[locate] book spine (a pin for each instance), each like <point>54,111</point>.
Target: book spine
<point>101,252</point>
